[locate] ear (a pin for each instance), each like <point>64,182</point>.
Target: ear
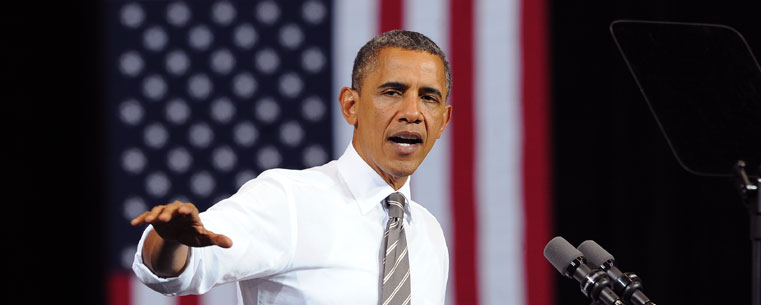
<point>445,118</point>
<point>349,98</point>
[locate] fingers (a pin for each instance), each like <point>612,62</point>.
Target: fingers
<point>186,209</point>
<point>164,213</point>
<point>154,213</point>
<point>140,219</point>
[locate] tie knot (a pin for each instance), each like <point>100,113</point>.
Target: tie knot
<point>395,203</point>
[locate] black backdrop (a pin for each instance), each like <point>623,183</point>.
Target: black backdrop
<point>615,179</point>
<point>54,239</point>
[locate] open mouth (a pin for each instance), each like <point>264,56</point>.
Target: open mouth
<point>406,138</point>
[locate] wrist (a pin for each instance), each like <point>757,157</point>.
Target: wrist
<point>165,258</point>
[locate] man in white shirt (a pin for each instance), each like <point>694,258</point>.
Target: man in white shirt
<point>316,236</point>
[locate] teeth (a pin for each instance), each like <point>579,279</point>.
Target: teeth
<point>407,137</point>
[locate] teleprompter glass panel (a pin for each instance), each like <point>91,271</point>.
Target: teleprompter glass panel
<point>703,85</point>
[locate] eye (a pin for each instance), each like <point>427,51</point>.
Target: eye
<point>430,98</point>
<point>392,93</point>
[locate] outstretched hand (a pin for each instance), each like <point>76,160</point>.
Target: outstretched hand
<point>179,222</point>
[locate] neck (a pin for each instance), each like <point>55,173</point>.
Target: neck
<point>396,182</point>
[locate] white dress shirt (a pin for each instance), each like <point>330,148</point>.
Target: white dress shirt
<point>310,236</point>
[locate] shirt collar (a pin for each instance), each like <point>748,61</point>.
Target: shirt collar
<point>368,188</point>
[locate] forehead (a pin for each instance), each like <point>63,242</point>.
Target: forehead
<point>399,64</point>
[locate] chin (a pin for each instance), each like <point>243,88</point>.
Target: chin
<point>402,170</point>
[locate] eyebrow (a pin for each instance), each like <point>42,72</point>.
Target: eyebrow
<point>430,90</point>
<point>394,85</point>
<point>401,86</point>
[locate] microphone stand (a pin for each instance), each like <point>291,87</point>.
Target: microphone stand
<point>749,192</point>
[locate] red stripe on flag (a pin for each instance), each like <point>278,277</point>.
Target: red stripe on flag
<point>189,300</point>
<point>390,15</point>
<point>536,150</point>
<point>465,235</point>
<point>119,289</point>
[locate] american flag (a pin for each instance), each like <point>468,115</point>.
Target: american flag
<point>204,95</point>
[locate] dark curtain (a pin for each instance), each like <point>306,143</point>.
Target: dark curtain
<point>51,97</point>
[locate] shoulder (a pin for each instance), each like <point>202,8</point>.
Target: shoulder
<point>275,194</point>
<point>288,178</point>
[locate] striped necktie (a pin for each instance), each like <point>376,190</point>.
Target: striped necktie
<point>396,265</point>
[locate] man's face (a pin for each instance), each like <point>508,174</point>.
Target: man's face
<point>399,112</point>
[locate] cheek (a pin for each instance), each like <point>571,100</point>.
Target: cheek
<point>433,119</point>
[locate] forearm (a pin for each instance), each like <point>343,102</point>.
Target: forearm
<point>164,258</point>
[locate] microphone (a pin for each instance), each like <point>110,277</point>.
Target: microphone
<point>571,263</point>
<point>628,285</point>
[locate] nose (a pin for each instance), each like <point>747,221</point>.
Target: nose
<point>409,109</point>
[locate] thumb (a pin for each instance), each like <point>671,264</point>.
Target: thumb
<point>221,240</point>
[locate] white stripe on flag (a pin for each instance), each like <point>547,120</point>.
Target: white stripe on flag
<point>429,17</point>
<point>354,23</point>
<point>498,167</point>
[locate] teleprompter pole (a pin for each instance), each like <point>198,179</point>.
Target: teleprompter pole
<point>749,192</point>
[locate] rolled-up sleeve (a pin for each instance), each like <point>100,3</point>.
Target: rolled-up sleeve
<point>259,219</point>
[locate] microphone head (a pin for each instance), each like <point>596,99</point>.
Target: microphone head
<point>595,255</point>
<point>560,253</point>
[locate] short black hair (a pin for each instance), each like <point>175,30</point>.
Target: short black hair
<point>368,55</point>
